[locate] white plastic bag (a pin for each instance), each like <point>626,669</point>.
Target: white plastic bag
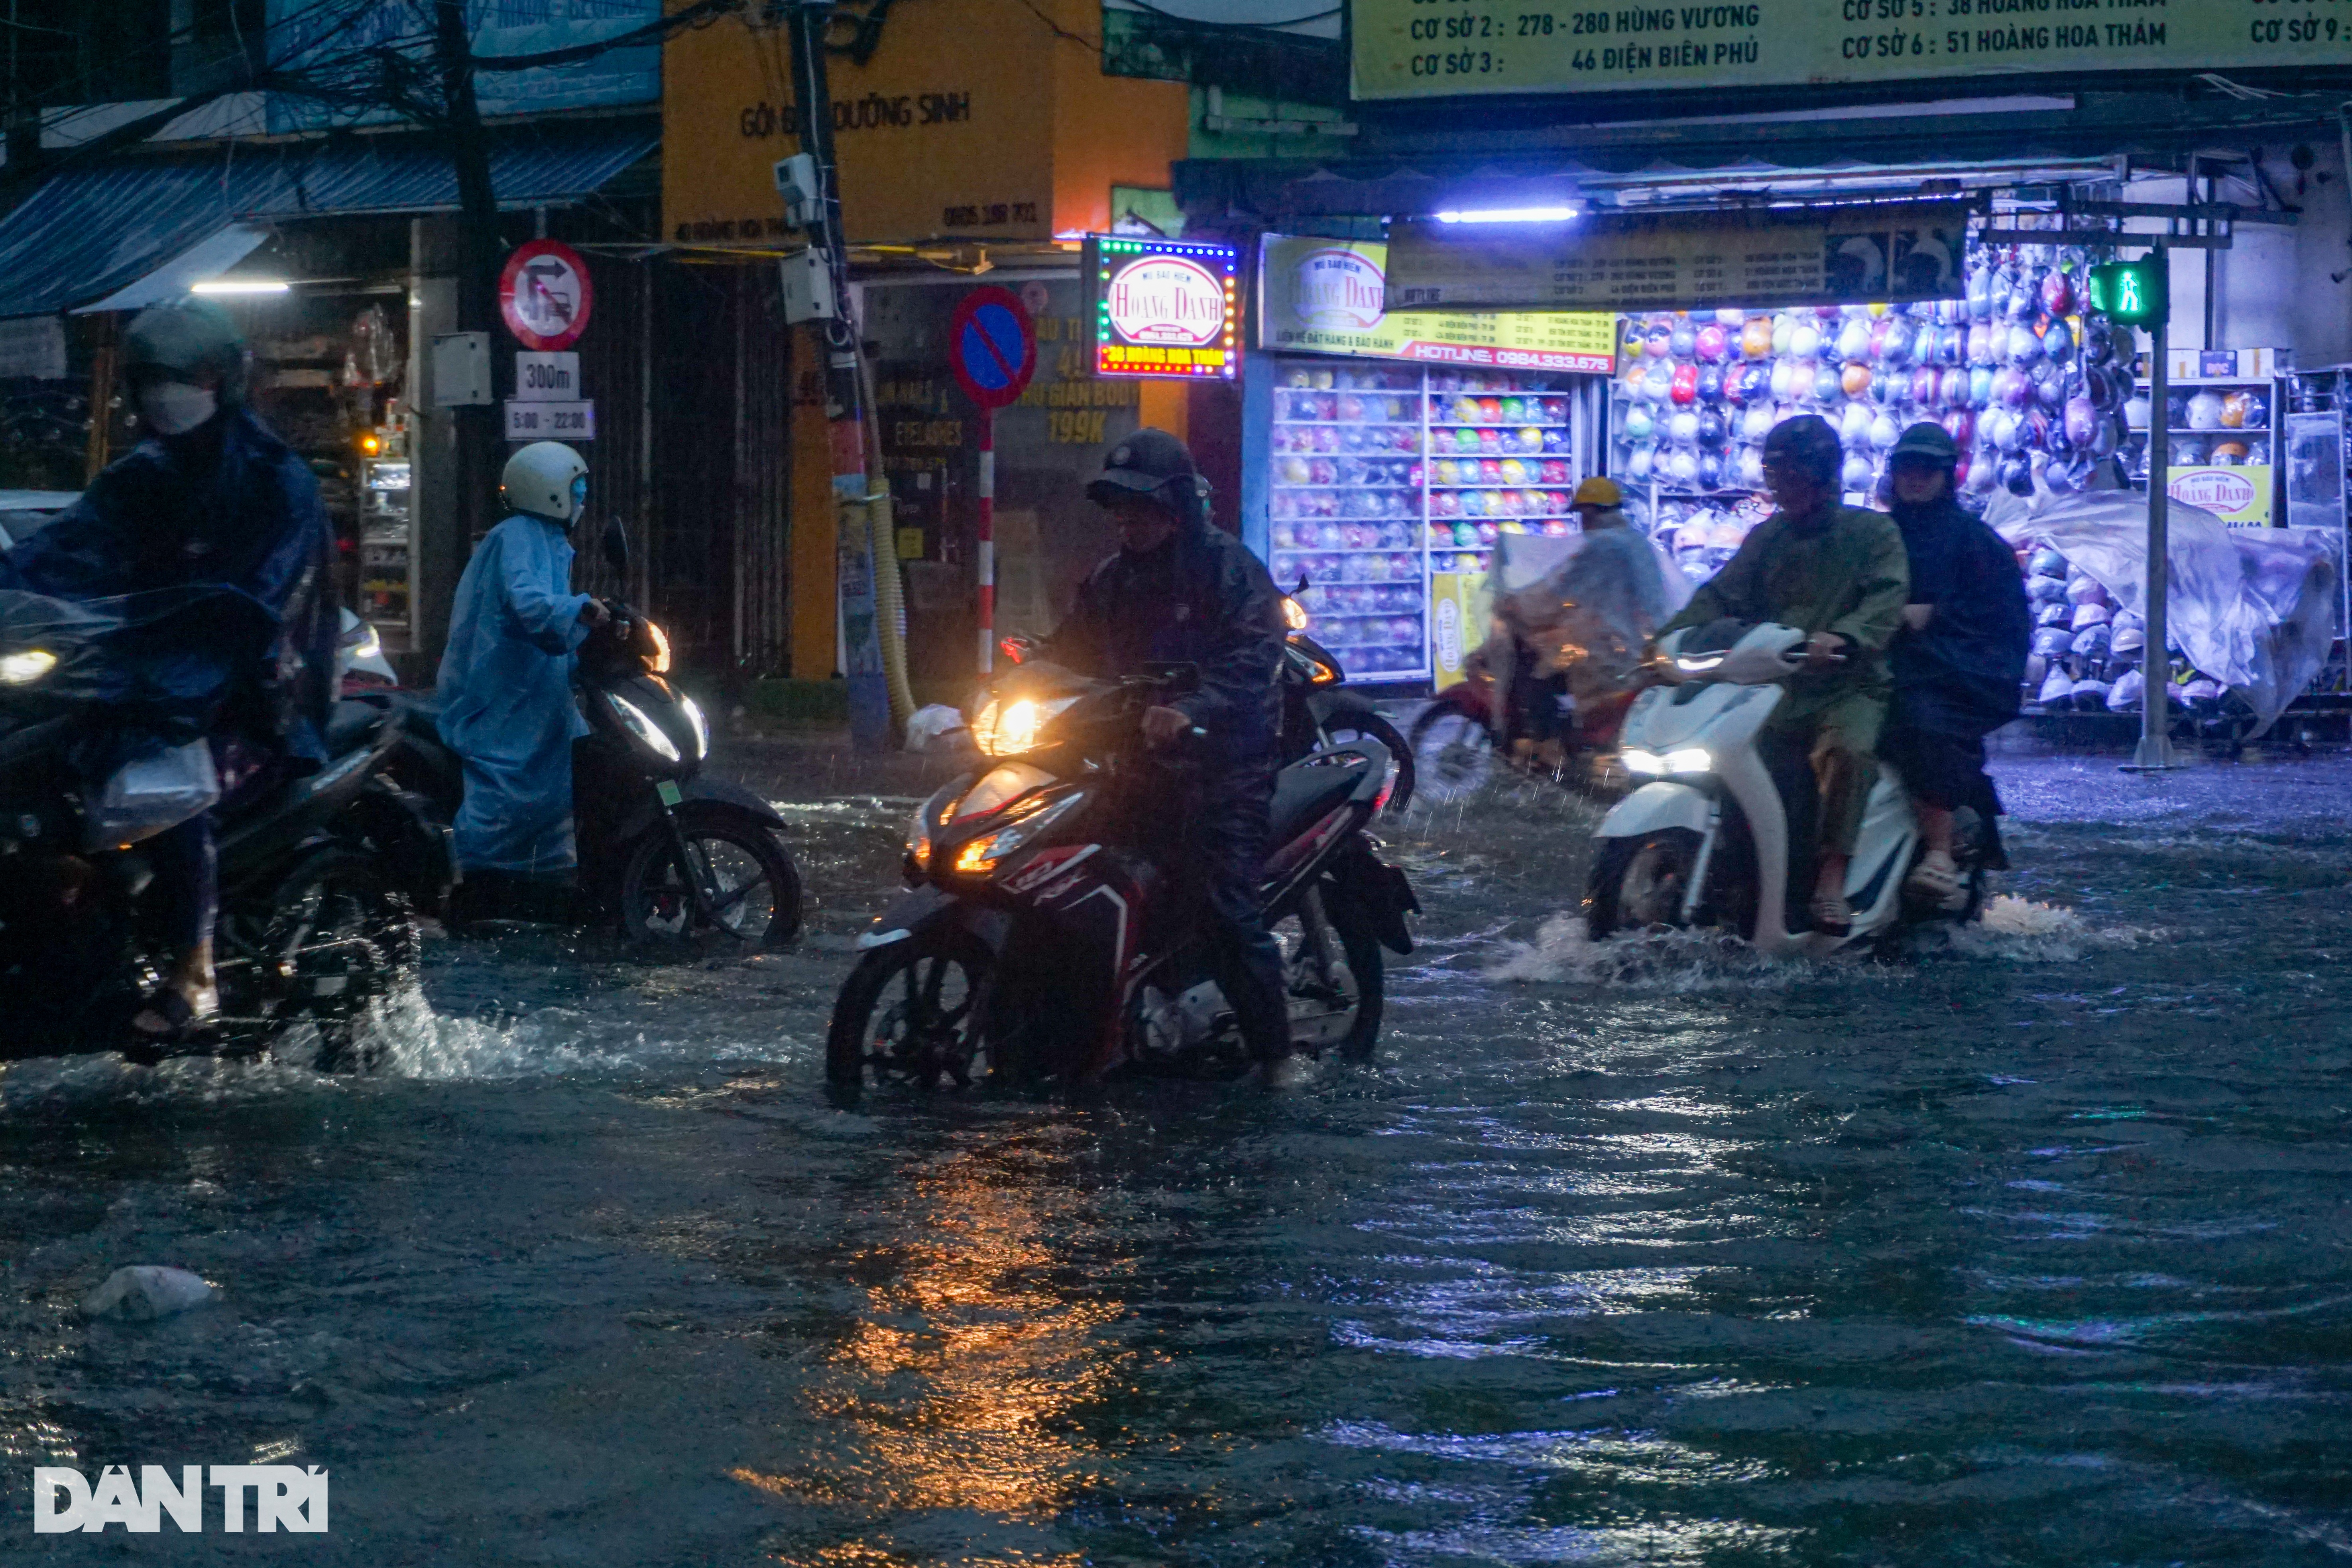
<point>937,727</point>
<point>152,792</point>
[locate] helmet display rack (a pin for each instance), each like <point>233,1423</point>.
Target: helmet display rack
<point>1388,477</point>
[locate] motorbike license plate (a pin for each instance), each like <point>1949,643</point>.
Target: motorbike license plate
<point>668,792</point>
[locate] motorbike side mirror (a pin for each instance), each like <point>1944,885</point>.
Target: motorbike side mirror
<point>1019,647</point>
<point>615,544</point>
<point>1303,585</point>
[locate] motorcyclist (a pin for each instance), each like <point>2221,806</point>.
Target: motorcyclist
<point>1580,629</point>
<point>1180,590</point>
<point>211,497</point>
<point>1960,659</point>
<point>1838,574</point>
<point>506,691</point>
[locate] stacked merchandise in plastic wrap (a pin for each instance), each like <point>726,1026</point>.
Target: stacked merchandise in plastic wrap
<point>2030,388</point>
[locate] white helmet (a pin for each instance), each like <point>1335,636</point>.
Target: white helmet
<point>539,480</point>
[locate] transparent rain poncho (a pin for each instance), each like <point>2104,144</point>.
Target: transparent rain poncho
<point>1584,604</point>
<point>2252,608</point>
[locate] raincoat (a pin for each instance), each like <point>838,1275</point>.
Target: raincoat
<point>1959,674</point>
<point>1849,576</point>
<point>505,698</point>
<point>1593,616</point>
<point>234,510</point>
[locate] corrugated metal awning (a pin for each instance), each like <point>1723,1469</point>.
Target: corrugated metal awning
<point>87,234</point>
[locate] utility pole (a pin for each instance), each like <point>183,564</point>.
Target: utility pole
<point>478,252</point>
<point>863,595</point>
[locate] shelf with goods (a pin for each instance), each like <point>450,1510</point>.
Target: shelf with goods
<point>387,540</point>
<point>1385,477</point>
<point>2316,419</point>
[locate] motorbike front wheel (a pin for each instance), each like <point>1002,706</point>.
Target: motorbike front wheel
<point>1455,752</point>
<point>753,890</point>
<point>1641,882</point>
<point>909,1011</point>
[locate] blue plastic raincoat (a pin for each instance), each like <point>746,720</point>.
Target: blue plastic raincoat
<point>506,700</point>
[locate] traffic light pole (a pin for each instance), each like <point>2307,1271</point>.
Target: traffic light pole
<point>2155,753</point>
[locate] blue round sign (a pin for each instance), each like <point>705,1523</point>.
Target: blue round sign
<point>991,346</point>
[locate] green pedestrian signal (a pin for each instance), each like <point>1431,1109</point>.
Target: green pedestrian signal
<point>2132,293</point>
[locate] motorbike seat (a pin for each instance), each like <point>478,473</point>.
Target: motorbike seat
<point>420,715</point>
<point>1304,790</point>
<point>350,725</point>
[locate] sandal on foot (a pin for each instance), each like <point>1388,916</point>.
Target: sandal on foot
<point>1935,878</point>
<point>167,1018</point>
<point>1831,915</point>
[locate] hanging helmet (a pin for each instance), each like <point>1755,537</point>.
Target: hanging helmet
<point>2058,690</point>
<point>1854,338</point>
<point>1710,382</point>
<point>1712,342</point>
<point>1710,470</point>
<point>1711,428</point>
<point>1981,349</point>
<point>1883,431</point>
<point>2127,639</point>
<point>1803,377</point>
<point>1857,473</point>
<point>1980,293</point>
<point>1683,427</point>
<point>1751,466</point>
<point>2091,641</point>
<point>1639,423</point>
<point>1640,461</point>
<point>2058,341</point>
<point>2125,695</point>
<point>1805,340</point>
<point>1923,385</point>
<point>2092,614</point>
<point>1961,426</point>
<point>2046,590</point>
<point>1758,421</point>
<point>1901,340</point>
<point>1683,386</point>
<point>1756,337</point>
<point>539,480</point>
<point>2053,642</point>
<point>2017,475</point>
<point>1853,427</point>
<point>2057,293</point>
<point>2090,695</point>
<point>186,341</point>
<point>1682,341</point>
<point>1784,332</point>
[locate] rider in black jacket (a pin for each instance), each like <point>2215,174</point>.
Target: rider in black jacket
<point>1181,590</point>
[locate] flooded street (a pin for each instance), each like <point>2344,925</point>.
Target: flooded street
<point>2033,1250</point>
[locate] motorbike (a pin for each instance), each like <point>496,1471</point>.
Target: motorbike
<point>318,875</point>
<point>1470,725</point>
<point>1320,712</point>
<point>678,857</point>
<point>1707,838</point>
<point>1038,940</point>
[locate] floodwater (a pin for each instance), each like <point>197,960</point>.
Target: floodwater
<point>2035,1249</point>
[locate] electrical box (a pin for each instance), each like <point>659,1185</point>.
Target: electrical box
<point>808,286</point>
<point>461,369</point>
<point>796,181</point>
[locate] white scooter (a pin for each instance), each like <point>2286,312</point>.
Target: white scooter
<point>1705,842</point>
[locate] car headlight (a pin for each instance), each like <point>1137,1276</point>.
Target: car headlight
<point>25,667</point>
<point>642,727</point>
<point>1009,729</point>
<point>980,857</point>
<point>701,725</point>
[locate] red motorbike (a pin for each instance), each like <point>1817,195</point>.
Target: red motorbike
<point>1039,940</point>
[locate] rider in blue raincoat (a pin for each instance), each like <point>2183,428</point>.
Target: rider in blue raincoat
<point>505,677</point>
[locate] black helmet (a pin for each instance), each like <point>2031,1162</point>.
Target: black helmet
<point>1808,443</point>
<point>1153,463</point>
<point>1925,442</point>
<point>184,341</point>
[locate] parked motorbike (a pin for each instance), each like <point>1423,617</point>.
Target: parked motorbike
<point>317,876</point>
<point>1708,840</point>
<point>680,858</point>
<point>1318,712</point>
<point>1038,940</point>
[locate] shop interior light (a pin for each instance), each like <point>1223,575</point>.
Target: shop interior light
<point>219,286</point>
<point>1508,215</point>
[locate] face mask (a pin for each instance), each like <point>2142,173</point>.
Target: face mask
<point>174,408</point>
<point>579,496</point>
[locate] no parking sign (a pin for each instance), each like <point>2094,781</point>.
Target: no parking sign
<point>993,350</point>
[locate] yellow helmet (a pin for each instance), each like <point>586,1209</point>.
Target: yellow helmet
<point>1598,491</point>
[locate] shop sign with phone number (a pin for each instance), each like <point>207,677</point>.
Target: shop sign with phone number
<point>1444,49</point>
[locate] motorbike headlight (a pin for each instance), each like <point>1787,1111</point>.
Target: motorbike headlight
<point>642,726</point>
<point>1649,765</point>
<point>1690,760</point>
<point>1294,613</point>
<point>1699,664</point>
<point>701,725</point>
<point>25,667</point>
<point>980,857</point>
<point>1008,729</point>
<point>658,661</point>
<point>918,838</point>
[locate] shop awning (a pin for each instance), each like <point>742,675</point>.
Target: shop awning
<point>88,236</point>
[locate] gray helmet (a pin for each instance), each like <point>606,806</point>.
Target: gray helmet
<point>1925,442</point>
<point>193,338</point>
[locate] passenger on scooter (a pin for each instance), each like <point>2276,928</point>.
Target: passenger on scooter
<point>1181,590</point>
<point>506,689</point>
<point>1837,572</point>
<point>212,496</point>
<point>1960,659</point>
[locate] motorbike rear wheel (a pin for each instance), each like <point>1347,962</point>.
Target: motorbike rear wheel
<point>755,889</point>
<point>1455,752</point>
<point>331,938</point>
<point>1336,997</point>
<point>910,1011</point>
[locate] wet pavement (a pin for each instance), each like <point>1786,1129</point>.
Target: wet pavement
<point>2036,1248</point>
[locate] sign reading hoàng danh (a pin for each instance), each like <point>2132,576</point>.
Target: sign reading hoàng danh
<point>1164,307</point>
